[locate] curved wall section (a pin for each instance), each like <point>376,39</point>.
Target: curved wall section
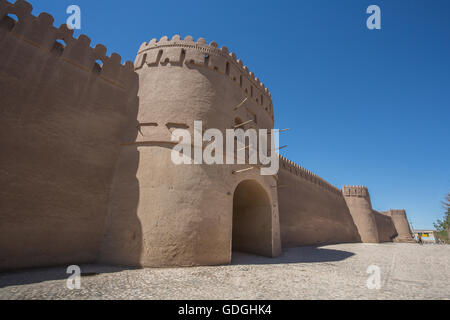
<point>185,212</point>
<point>402,226</point>
<point>312,211</point>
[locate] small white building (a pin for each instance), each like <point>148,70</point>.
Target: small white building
<point>427,235</point>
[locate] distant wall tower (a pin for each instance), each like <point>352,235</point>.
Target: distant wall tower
<point>402,225</point>
<point>358,201</point>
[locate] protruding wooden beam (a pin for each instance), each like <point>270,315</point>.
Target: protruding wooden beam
<point>283,130</point>
<point>240,104</point>
<point>243,124</point>
<point>244,148</point>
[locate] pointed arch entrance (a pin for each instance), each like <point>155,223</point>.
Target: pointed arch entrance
<point>252,219</point>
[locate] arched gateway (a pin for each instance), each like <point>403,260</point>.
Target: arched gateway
<point>252,219</point>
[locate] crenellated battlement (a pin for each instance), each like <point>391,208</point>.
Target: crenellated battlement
<point>177,51</point>
<point>355,191</point>
<point>40,32</point>
<point>299,171</point>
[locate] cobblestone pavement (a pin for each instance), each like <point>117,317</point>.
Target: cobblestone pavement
<point>408,271</point>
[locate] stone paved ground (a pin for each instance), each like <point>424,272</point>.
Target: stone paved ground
<point>408,271</point>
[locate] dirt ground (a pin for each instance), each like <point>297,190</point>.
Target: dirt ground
<point>404,271</point>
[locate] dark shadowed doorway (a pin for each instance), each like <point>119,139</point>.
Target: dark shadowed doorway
<point>252,219</point>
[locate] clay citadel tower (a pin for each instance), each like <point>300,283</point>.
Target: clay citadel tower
<point>85,167</point>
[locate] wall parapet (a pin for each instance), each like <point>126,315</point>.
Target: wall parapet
<point>397,212</point>
<point>355,191</point>
<point>301,172</point>
<point>40,32</point>
<point>199,53</point>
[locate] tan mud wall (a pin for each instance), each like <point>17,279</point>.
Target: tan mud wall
<point>312,212</point>
<point>62,119</point>
<point>385,227</point>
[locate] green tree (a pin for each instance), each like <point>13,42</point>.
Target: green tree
<point>443,226</point>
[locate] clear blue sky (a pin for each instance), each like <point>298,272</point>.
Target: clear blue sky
<point>365,107</point>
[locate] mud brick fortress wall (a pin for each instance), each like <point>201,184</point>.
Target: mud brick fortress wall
<point>85,169</point>
<point>311,210</point>
<point>61,124</point>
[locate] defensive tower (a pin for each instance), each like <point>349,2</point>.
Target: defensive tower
<point>401,224</point>
<point>191,214</point>
<point>360,206</point>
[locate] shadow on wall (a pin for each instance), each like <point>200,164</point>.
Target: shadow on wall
<point>293,255</point>
<point>65,109</point>
<point>122,239</point>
